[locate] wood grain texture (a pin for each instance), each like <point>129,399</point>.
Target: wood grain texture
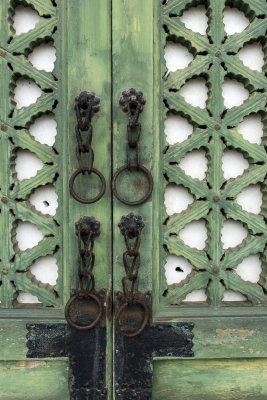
<point>89,68</point>
<point>132,60</point>
<point>230,338</point>
<point>34,380</point>
<point>210,379</point>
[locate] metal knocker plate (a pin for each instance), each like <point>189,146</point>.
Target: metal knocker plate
<point>84,309</point>
<point>132,103</point>
<point>86,105</point>
<point>133,314</point>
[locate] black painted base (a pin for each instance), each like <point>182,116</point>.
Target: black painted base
<point>86,351</point>
<point>134,355</point>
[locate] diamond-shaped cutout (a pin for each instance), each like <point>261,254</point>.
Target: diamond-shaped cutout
<point>27,164</point>
<point>177,268</point>
<point>45,269</point>
<point>195,234</point>
<point>27,235</point>
<point>233,233</point>
<point>177,56</point>
<point>195,164</point>
<point>177,199</point>
<point>24,19</point>
<point>195,18</point>
<point>252,56</point>
<point>195,92</point>
<point>250,199</point>
<point>44,199</point>
<point>177,128</point>
<point>251,128</point>
<point>250,268</point>
<point>44,129</point>
<point>43,57</point>
<point>233,164</point>
<point>234,20</point>
<point>234,93</point>
<point>26,92</point>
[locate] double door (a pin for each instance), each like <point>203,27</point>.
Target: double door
<point>144,340</point>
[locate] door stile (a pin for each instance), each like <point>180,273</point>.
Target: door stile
<point>81,35</point>
<point>89,68</point>
<point>132,59</point>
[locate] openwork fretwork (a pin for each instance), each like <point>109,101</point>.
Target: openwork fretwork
<point>15,265</point>
<point>215,58</point>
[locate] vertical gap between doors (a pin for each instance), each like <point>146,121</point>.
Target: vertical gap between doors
<point>111,196</point>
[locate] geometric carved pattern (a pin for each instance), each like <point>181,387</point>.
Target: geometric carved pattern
<point>215,58</point>
<point>15,206</point>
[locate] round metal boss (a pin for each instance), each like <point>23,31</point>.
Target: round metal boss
<point>141,327</point>
<point>85,296</point>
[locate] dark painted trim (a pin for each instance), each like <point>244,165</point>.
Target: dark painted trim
<point>134,355</point>
<point>86,351</point>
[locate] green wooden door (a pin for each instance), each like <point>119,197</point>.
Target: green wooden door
<point>206,350</point>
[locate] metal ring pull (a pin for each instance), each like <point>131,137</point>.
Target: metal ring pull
<point>87,229</point>
<point>131,226</point>
<point>86,105</point>
<point>132,102</point>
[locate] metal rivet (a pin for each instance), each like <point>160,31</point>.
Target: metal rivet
<point>4,200</point>
<point>218,53</point>
<point>4,271</point>
<point>216,270</point>
<point>3,127</point>
<point>216,199</point>
<point>217,127</point>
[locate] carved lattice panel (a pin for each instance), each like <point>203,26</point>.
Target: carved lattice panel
<point>215,131</point>
<point>15,206</point>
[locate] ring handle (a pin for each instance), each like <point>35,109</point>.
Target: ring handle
<point>80,295</point>
<point>129,167</point>
<point>81,199</point>
<point>132,103</point>
<point>138,329</point>
<point>86,105</point>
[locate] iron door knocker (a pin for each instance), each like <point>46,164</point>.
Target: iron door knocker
<point>131,226</point>
<point>132,102</point>
<point>87,229</point>
<point>86,105</point>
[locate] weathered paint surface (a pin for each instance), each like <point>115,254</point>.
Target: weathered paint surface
<point>34,380</point>
<point>243,379</point>
<point>132,60</point>
<point>230,338</point>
